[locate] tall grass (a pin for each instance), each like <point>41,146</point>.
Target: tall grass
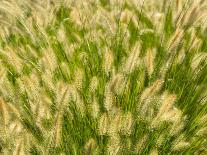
<point>103,77</point>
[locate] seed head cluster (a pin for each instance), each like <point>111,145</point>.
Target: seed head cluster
<point>103,77</point>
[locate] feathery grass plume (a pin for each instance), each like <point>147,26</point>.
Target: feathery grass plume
<point>12,57</point>
<point>154,152</point>
<point>193,14</point>
<point>117,83</point>
<point>115,123</point>
<point>141,144</point>
<point>4,111</point>
<point>6,87</point>
<point>19,149</point>
<point>147,110</point>
<point>160,140</point>
<point>15,127</point>
<point>127,16</point>
<point>103,124</point>
<point>90,146</point>
<point>83,57</point>
<point>95,108</point>
<point>158,19</point>
<point>13,110</point>
<point>108,98</point>
<point>177,127</point>
<point>62,94</point>
<point>126,123</point>
<point>195,42</point>
<point>165,112</point>
<point>180,145</point>
<point>151,90</point>
<point>140,81</point>
<point>47,77</point>
<point>61,34</point>
<point>202,132</point>
<point>58,129</point>
<point>145,31</point>
<point>80,105</point>
<point>107,20</point>
<point>2,74</point>
<point>114,145</point>
<point>203,120</point>
<point>133,60</point>
<point>42,111</point>
<point>75,97</point>
<point>48,59</point>
<point>69,68</point>
<point>188,17</point>
<point>167,104</point>
<point>175,40</point>
<point>76,16</point>
<point>198,58</point>
<point>73,93</point>
<point>93,84</point>
<point>181,56</point>
<point>149,60</point>
<point>65,70</point>
<point>108,60</point>
<point>171,115</point>
<point>78,78</point>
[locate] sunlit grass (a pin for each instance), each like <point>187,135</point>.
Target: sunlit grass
<point>103,77</point>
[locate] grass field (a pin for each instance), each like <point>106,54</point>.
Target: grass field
<point>93,77</point>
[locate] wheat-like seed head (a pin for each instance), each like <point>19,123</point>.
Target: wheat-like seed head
<point>103,124</point>
<point>79,77</point>
<point>133,60</point>
<point>108,101</point>
<point>114,145</point>
<point>95,110</point>
<point>93,84</point>
<point>151,90</point>
<point>149,61</point>
<point>127,122</point>
<point>141,144</point>
<point>154,152</point>
<point>108,61</point>
<point>90,146</point>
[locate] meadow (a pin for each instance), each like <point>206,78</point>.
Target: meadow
<point>103,77</point>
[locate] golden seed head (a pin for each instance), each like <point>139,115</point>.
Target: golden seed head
<point>141,144</point>
<point>108,101</point>
<point>95,109</point>
<point>108,59</point>
<point>103,124</point>
<point>117,83</point>
<point>149,60</point>
<point>180,145</point>
<point>58,129</point>
<point>94,84</point>
<point>127,122</point>
<point>115,123</point>
<point>133,60</point>
<point>154,152</point>
<point>175,40</point>
<point>78,80</point>
<point>90,146</point>
<point>4,111</point>
<point>151,90</point>
<point>114,145</point>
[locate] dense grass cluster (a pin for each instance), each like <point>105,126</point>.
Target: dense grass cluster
<point>103,77</point>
